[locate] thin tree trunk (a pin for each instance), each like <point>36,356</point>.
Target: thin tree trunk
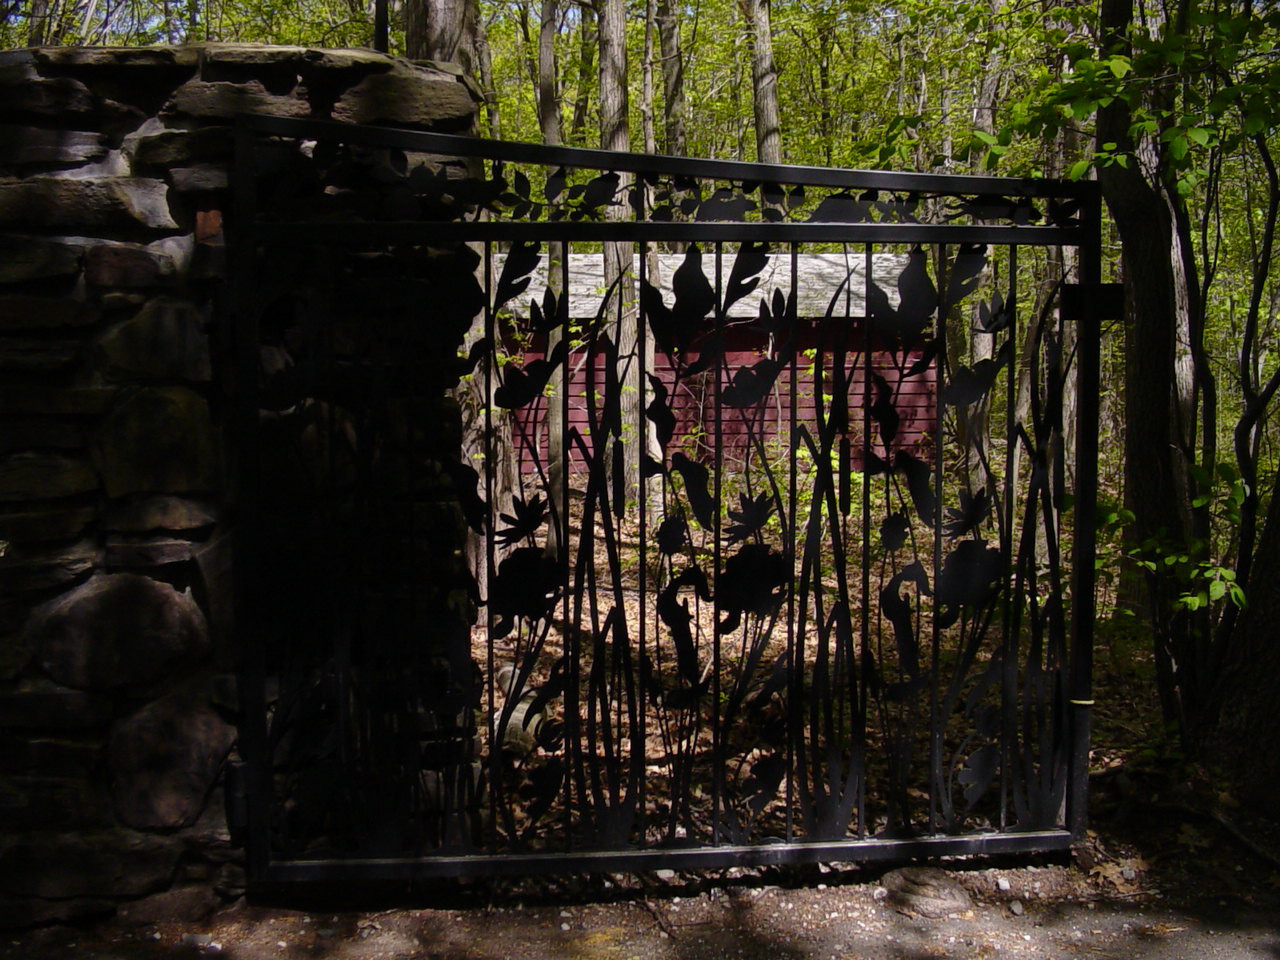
<point>548,96</point>
<point>1153,466</point>
<point>615,135</point>
<point>673,104</point>
<point>764,83</point>
<point>588,38</point>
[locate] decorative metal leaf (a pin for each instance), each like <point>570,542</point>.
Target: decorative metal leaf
<point>600,192</point>
<point>841,208</point>
<point>661,320</point>
<point>725,204</point>
<point>926,358</point>
<point>766,778</point>
<point>918,298</point>
<point>520,386</point>
<point>695,297</point>
<point>552,313</point>
<point>996,317</point>
<point>965,272</point>
<point>968,386</point>
<point>882,410</point>
<point>527,585</point>
<point>750,518</point>
<point>673,534</point>
<point>708,359</point>
<point>752,384</point>
<point>659,412</point>
<point>750,583</point>
<point>970,577</point>
<point>751,259</point>
<point>675,614</point>
<point>896,608</point>
<point>526,520</point>
<point>555,185</point>
<point>974,510</point>
<point>893,531</point>
<point>521,261</point>
<point>696,486</point>
<point>919,476</point>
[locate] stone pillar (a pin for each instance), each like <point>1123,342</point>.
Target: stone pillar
<point>117,704</point>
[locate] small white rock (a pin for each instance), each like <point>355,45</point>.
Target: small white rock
<point>564,926</point>
<point>1004,885</point>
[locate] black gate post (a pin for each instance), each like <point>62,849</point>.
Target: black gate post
<point>1085,305</point>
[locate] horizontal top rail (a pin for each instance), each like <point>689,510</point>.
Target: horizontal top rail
<point>354,233</point>
<point>578,157</point>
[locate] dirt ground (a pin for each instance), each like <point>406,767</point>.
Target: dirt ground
<point>1157,880</point>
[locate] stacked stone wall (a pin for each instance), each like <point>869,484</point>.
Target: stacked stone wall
<point>117,693</point>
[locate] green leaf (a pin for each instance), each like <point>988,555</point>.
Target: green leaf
<point>1217,590</point>
<point>1120,66</point>
<point>1198,135</point>
<point>1078,169</point>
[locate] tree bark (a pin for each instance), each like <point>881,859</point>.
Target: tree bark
<point>673,103</point>
<point>441,30</point>
<point>615,134</point>
<point>1155,473</point>
<point>764,83</point>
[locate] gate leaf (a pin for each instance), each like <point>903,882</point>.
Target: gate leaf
<point>974,510</point>
<point>841,208</point>
<point>696,482</point>
<point>695,297</point>
<point>659,412</point>
<point>970,577</point>
<point>882,410</point>
<point>965,272</point>
<point>743,278</point>
<point>750,583</point>
<point>527,585</point>
<point>919,477</point>
<point>762,785</point>
<point>514,280</point>
<point>893,531</point>
<point>520,387</point>
<point>897,610</point>
<point>675,614</point>
<point>752,384</point>
<point>672,535</point>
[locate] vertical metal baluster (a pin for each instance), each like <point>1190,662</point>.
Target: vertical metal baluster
<point>717,746</point>
<point>935,721</point>
<point>867,670</point>
<point>566,562</point>
<point>491,575</point>
<point>794,662</point>
<point>638,763</point>
<point>1009,641</point>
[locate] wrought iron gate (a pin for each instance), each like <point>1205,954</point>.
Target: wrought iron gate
<point>775,564</point>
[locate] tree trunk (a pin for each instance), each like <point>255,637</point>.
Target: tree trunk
<point>587,41</point>
<point>549,122</point>
<point>1155,473</point>
<point>764,83</point>
<point>673,105</point>
<point>441,30</point>
<point>615,135</point>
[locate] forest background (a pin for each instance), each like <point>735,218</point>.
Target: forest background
<point>1173,106</point>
